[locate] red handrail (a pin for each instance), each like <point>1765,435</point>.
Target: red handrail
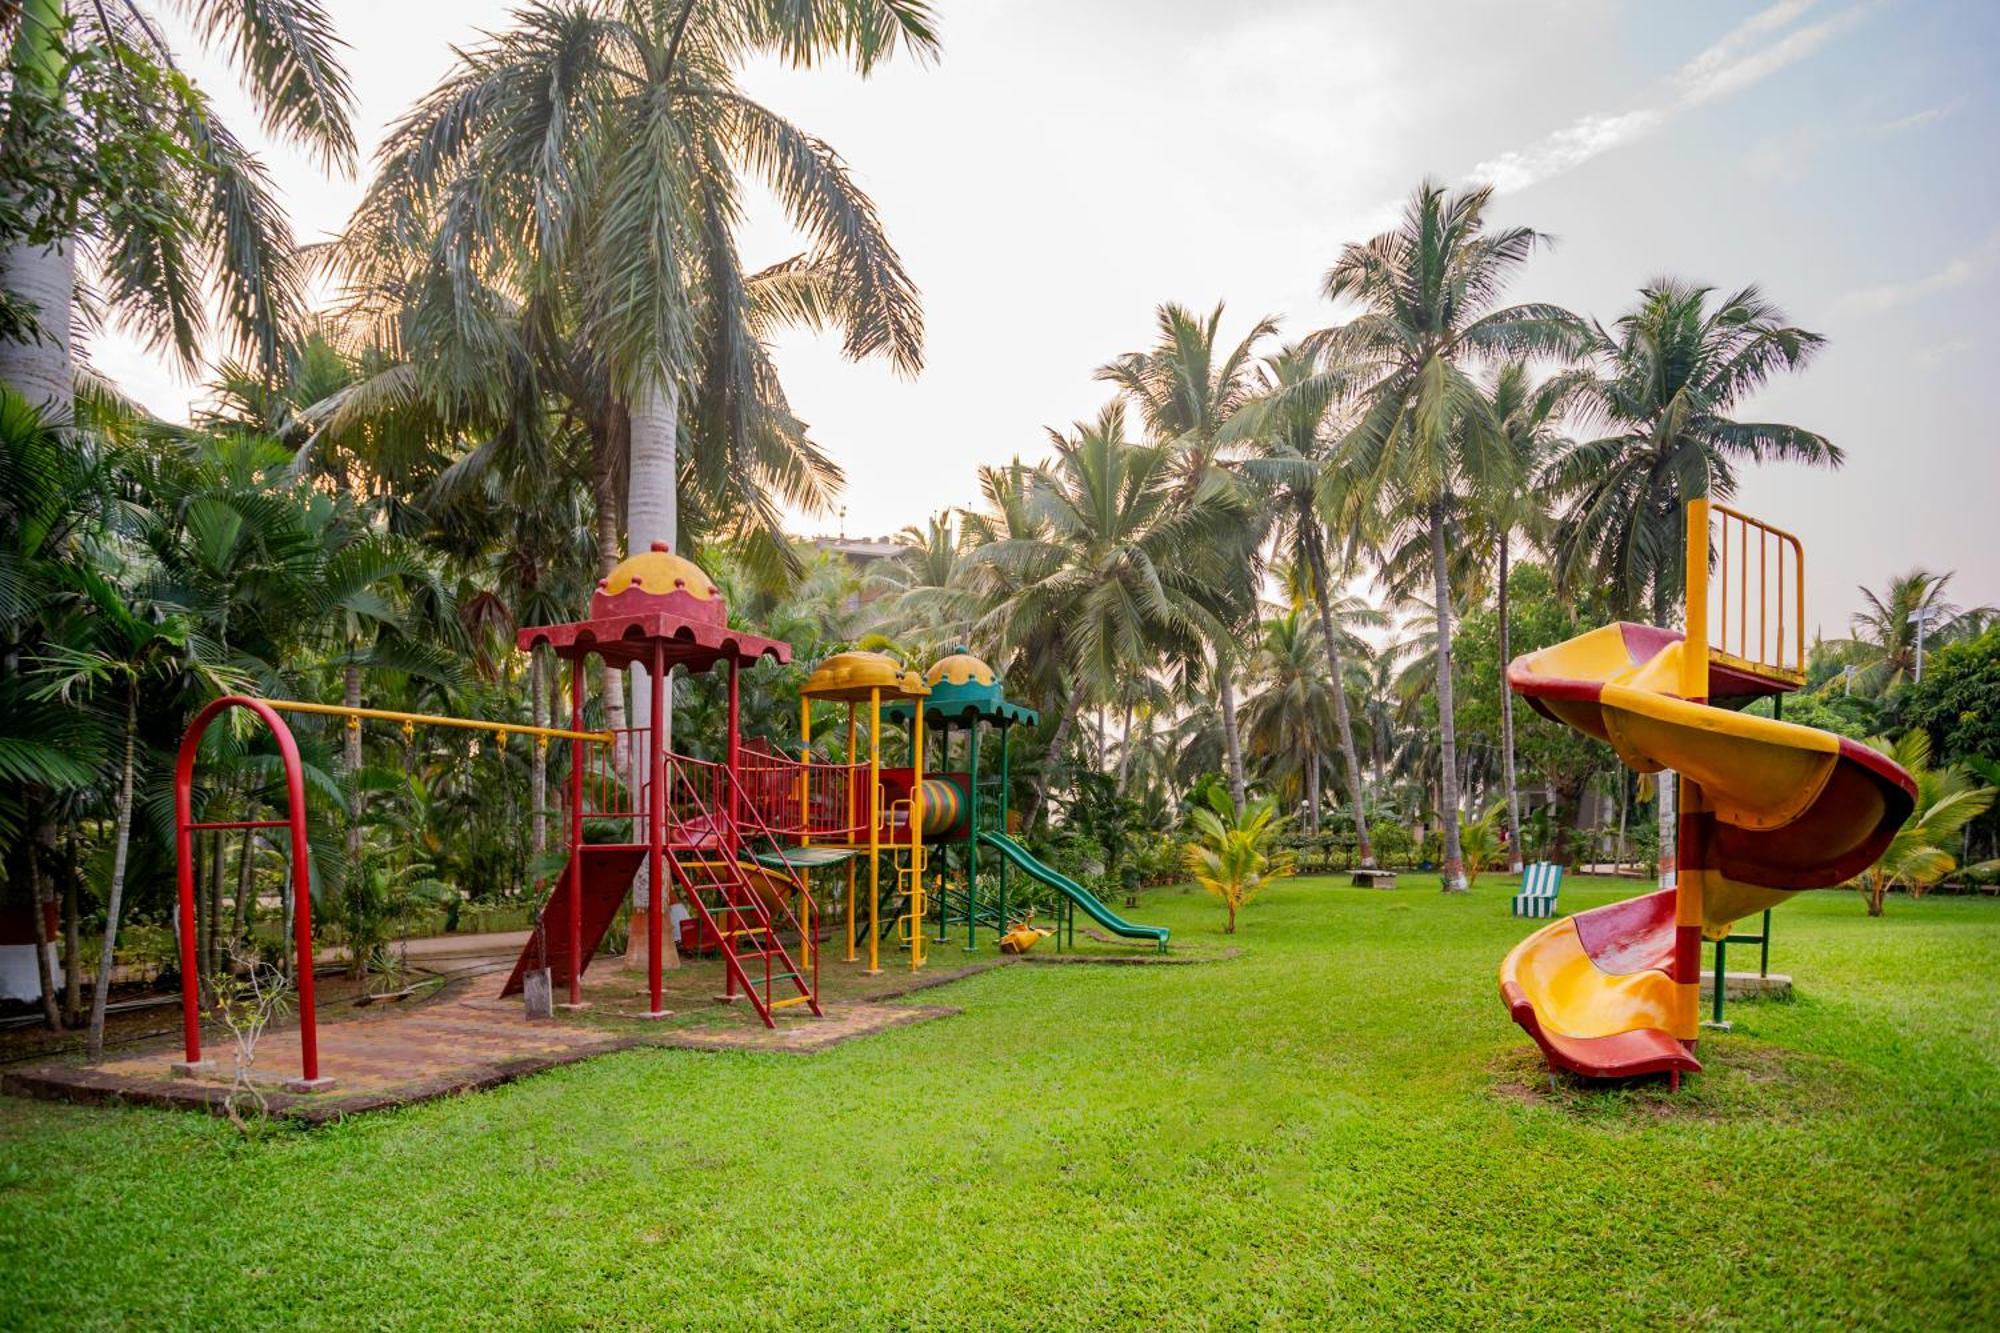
<point>295,820</point>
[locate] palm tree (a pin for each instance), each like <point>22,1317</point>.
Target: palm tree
<point>1425,433</point>
<point>923,600</point>
<point>1676,370</point>
<point>1290,717</point>
<point>1234,853</point>
<point>1921,852</point>
<point>119,647</point>
<point>1186,387</point>
<point>1883,649</point>
<point>1526,415</point>
<point>112,149</point>
<point>1115,572</point>
<point>1295,463</point>
<point>569,194</point>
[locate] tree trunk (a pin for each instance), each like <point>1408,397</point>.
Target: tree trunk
<point>115,899</point>
<point>72,931</point>
<point>652,517</point>
<point>1232,750</point>
<point>1051,760</point>
<point>1454,859</point>
<point>538,754</point>
<point>218,943</point>
<point>1666,783</point>
<point>350,757</point>
<point>42,372</point>
<point>239,921</point>
<point>611,445</point>
<point>1357,792</point>
<point>40,849</point>
<point>204,920</point>
<point>1125,750</point>
<point>1312,790</point>
<point>1507,718</point>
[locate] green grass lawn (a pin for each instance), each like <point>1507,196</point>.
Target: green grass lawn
<point>1338,1126</point>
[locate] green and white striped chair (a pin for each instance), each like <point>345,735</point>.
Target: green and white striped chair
<point>1540,883</point>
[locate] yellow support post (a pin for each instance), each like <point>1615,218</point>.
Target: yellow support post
<point>805,769</point>
<point>1694,635</point>
<point>874,827</point>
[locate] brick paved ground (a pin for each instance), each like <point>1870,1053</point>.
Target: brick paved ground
<point>465,1040</point>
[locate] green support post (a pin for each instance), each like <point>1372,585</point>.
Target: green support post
<point>943,730</point>
<point>972,842</point>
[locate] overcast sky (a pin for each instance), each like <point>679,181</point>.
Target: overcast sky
<point>1068,165</point>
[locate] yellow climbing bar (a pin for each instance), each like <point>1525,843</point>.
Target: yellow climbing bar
<point>436,720</point>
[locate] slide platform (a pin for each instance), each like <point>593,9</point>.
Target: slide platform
<point>1093,906</point>
<point>1783,808</point>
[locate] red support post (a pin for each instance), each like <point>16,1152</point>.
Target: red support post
<point>734,753</point>
<point>576,762</point>
<point>657,830</point>
<point>295,820</point>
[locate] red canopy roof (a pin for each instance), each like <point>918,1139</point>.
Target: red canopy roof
<point>622,640</point>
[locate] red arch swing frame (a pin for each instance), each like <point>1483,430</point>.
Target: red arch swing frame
<point>185,827</point>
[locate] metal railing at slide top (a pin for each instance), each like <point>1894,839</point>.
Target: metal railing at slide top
<point>1756,597</point>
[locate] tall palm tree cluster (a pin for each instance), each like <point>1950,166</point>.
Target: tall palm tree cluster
<point>1260,560</point>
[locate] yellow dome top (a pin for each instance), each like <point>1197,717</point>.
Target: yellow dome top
<point>958,668</point>
<point>857,675</point>
<point>658,571</point>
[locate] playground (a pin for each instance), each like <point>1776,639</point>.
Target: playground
<point>1332,1126</point>
<point>827,1079</point>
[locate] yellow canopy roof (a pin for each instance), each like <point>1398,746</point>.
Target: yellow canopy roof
<point>855,676</point>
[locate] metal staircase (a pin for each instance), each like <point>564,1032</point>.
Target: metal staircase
<point>717,888</point>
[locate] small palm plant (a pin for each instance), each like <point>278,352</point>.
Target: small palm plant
<point>1479,841</point>
<point>1921,853</point>
<point>1234,856</point>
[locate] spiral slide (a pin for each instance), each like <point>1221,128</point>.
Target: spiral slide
<point>1769,808</point>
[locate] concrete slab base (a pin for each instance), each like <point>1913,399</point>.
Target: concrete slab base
<point>1749,986</point>
<point>198,1069</point>
<point>321,1084</point>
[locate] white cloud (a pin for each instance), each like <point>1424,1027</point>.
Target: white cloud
<point>1930,115</point>
<point>1960,271</point>
<point>1748,53</point>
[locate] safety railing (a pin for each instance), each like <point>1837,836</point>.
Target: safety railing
<point>802,799</point>
<point>1757,597</point>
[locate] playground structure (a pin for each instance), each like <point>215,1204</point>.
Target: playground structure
<point>966,697</point>
<point>1766,807</point>
<point>732,843</point>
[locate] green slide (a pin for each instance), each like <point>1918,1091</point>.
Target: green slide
<point>1093,907</point>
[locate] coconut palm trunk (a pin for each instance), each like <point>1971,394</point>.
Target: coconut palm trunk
<point>652,514</point>
<point>1049,761</point>
<point>1454,859</point>
<point>1232,744</point>
<point>114,899</point>
<point>1507,718</point>
<point>1349,755</point>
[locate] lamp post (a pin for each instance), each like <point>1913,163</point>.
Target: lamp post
<point>1922,618</point>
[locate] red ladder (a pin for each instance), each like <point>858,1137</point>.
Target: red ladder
<point>716,888</point>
